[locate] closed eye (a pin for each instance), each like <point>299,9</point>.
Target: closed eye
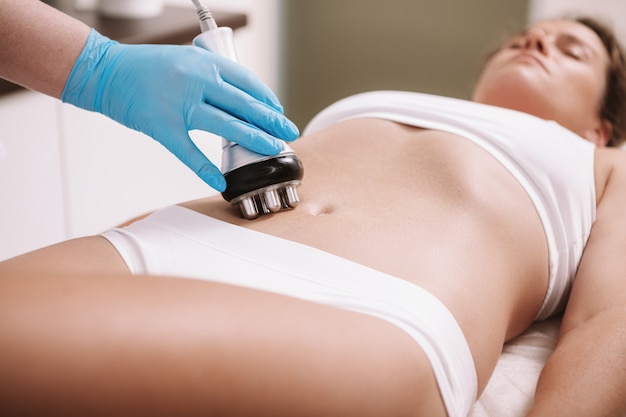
<point>572,47</point>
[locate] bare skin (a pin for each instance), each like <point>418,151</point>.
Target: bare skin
<point>26,60</point>
<point>426,206</point>
<point>356,207</point>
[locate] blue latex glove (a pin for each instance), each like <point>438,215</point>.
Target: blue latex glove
<point>165,91</point>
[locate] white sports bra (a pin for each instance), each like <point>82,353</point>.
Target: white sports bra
<point>554,165</point>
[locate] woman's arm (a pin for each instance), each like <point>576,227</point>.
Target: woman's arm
<point>50,52</point>
<point>586,374</point>
<point>38,45</point>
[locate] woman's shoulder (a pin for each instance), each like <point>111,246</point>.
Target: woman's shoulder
<point>610,164</point>
<point>611,157</point>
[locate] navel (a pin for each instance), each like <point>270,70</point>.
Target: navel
<point>319,209</point>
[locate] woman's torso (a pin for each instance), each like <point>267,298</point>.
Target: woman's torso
<point>423,205</point>
<point>429,207</point>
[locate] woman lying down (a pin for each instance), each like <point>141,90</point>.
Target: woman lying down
<point>431,231</point>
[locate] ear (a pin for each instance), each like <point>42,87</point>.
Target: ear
<point>600,134</point>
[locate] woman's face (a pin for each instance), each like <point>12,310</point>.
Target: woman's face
<point>555,70</point>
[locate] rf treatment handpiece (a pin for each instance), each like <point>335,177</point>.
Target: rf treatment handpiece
<point>258,184</point>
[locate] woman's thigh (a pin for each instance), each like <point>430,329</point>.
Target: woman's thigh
<point>85,255</point>
<point>167,346</point>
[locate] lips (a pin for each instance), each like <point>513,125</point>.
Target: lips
<point>530,56</point>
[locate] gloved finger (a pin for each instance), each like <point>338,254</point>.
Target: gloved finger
<point>189,154</point>
<point>245,80</point>
<point>214,120</point>
<point>241,105</point>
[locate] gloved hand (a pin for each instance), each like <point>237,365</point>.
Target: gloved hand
<point>165,91</point>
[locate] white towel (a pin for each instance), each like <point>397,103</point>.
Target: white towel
<point>511,389</point>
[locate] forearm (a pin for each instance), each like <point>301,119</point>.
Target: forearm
<point>38,45</point>
<point>586,375</point>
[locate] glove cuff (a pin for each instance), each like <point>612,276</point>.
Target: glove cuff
<point>88,77</point>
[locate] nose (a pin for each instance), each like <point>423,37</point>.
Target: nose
<point>536,39</point>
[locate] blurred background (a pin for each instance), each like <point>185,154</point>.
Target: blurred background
<point>65,172</point>
<point>335,48</point>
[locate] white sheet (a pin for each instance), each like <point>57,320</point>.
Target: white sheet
<point>511,390</point>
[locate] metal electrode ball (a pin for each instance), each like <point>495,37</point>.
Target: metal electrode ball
<point>258,184</point>
<point>266,186</point>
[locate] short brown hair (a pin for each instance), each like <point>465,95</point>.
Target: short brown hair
<point>613,107</point>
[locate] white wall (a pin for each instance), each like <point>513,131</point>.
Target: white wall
<point>610,11</point>
<point>65,172</point>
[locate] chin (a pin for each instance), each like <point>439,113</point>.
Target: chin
<point>520,97</point>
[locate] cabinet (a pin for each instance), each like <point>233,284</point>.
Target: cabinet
<point>113,173</point>
<point>31,186</point>
<point>66,172</point>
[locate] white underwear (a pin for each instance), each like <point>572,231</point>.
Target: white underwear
<point>179,242</point>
